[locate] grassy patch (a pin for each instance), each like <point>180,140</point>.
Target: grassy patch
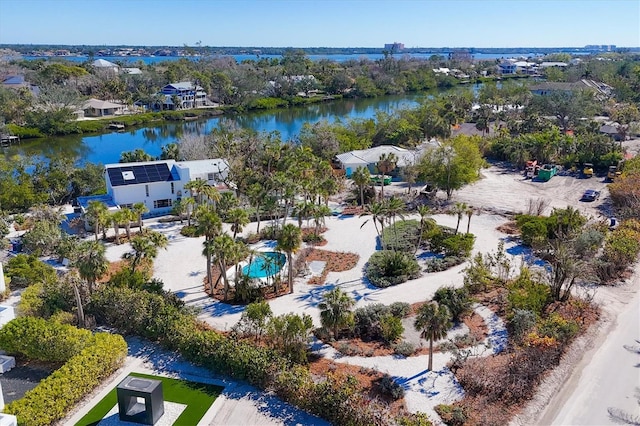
<point>198,397</point>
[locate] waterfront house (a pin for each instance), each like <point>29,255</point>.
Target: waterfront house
<point>103,65</point>
<point>183,95</point>
<point>507,68</point>
<point>18,82</point>
<point>156,184</point>
<point>548,87</point>
<point>97,108</point>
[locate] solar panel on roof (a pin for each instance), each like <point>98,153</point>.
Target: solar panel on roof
<point>144,173</point>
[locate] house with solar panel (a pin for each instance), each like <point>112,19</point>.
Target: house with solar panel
<point>156,184</point>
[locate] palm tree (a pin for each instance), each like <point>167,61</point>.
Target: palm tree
<point>209,225</point>
<point>178,209</point>
<point>239,218</point>
<point>196,187</point>
<point>335,310</point>
<point>189,204</point>
<point>97,212</point>
<point>378,212</point>
<point>424,212</point>
<point>128,216</point>
<point>469,212</point>
<point>459,209</point>
<point>433,321</point>
<point>361,177</point>
<point>139,209</point>
<point>145,245</point>
<point>91,262</point>
<point>386,164</point>
<point>289,241</point>
<point>212,194</point>
<point>223,247</point>
<point>117,218</point>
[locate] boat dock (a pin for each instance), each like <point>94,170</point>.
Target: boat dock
<point>6,140</point>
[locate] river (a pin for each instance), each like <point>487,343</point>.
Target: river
<point>106,148</point>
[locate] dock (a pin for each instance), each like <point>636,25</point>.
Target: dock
<point>116,126</point>
<point>7,140</point>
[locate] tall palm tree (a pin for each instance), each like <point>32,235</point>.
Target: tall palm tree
<point>378,212</point>
<point>361,178</point>
<point>145,245</point>
<point>91,262</point>
<point>117,217</point>
<point>178,209</point>
<point>469,212</point>
<point>433,321</point>
<point>239,218</point>
<point>212,194</point>
<point>289,241</point>
<point>189,204</point>
<point>209,225</point>
<point>458,210</point>
<point>98,213</point>
<point>386,164</point>
<point>128,216</point>
<point>196,188</point>
<point>223,247</point>
<point>139,209</point>
<point>335,310</point>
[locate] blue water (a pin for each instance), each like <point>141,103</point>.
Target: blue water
<point>265,265</point>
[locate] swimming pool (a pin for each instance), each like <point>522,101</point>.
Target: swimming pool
<point>264,264</point>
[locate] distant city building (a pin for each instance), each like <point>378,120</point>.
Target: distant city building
<point>394,47</point>
<point>601,47</point>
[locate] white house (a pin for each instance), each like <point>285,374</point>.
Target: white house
<point>350,161</point>
<point>102,64</point>
<point>156,184</point>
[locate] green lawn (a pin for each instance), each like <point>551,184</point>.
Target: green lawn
<point>198,397</point>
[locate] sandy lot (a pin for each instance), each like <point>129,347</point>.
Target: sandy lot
<point>501,191</point>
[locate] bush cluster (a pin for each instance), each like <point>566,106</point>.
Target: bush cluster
<point>386,268</point>
<point>438,264</point>
<point>401,236</point>
<point>457,300</point>
<point>336,399</point>
<point>621,248</point>
<point>404,348</point>
<point>388,386</point>
<point>91,358</point>
<point>27,269</point>
<point>380,322</point>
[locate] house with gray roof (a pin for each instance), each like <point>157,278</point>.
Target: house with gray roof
<point>350,161</point>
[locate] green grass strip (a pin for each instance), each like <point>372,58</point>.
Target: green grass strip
<point>198,397</point>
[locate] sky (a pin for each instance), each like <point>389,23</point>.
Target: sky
<point>322,23</point>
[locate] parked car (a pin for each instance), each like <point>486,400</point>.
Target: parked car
<point>590,195</point>
<point>587,171</point>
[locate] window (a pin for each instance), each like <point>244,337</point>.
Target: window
<point>126,206</point>
<point>210,176</point>
<point>146,189</point>
<point>159,204</point>
<point>172,188</point>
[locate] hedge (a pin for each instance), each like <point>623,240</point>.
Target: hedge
<point>42,340</point>
<point>336,399</point>
<point>54,396</point>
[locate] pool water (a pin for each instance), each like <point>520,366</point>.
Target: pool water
<point>264,265</point>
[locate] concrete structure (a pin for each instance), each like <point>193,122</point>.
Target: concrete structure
<point>7,313</point>
<point>140,400</point>
<point>6,363</point>
<point>8,420</point>
<point>156,184</point>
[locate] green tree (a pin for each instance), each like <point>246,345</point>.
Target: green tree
<point>136,156</point>
<point>145,245</point>
<point>98,214</point>
<point>256,315</point>
<point>289,241</point>
<point>91,263</point>
<point>43,237</point>
<point>386,164</point>
<point>290,334</point>
<point>361,178</point>
<point>455,163</point>
<point>239,218</point>
<point>433,321</point>
<point>139,209</point>
<point>458,210</point>
<point>335,310</point>
<point>209,225</point>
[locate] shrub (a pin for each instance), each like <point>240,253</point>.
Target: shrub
<point>559,328</point>
<point>24,132</point>
<point>457,300</point>
<point>268,103</point>
<point>414,419</point>
<point>437,264</point>
<point>367,320</point>
<point>400,309</point>
<point>189,231</point>
<point>391,328</point>
<point>458,245</point>
<point>43,340</point>
<point>521,322</point>
<point>404,348</point>
<point>533,229</point>
<point>401,236</point>
<point>54,396</point>
<point>388,386</point>
<point>527,294</point>
<point>27,269</point>
<point>387,268</point>
<point>452,415</point>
